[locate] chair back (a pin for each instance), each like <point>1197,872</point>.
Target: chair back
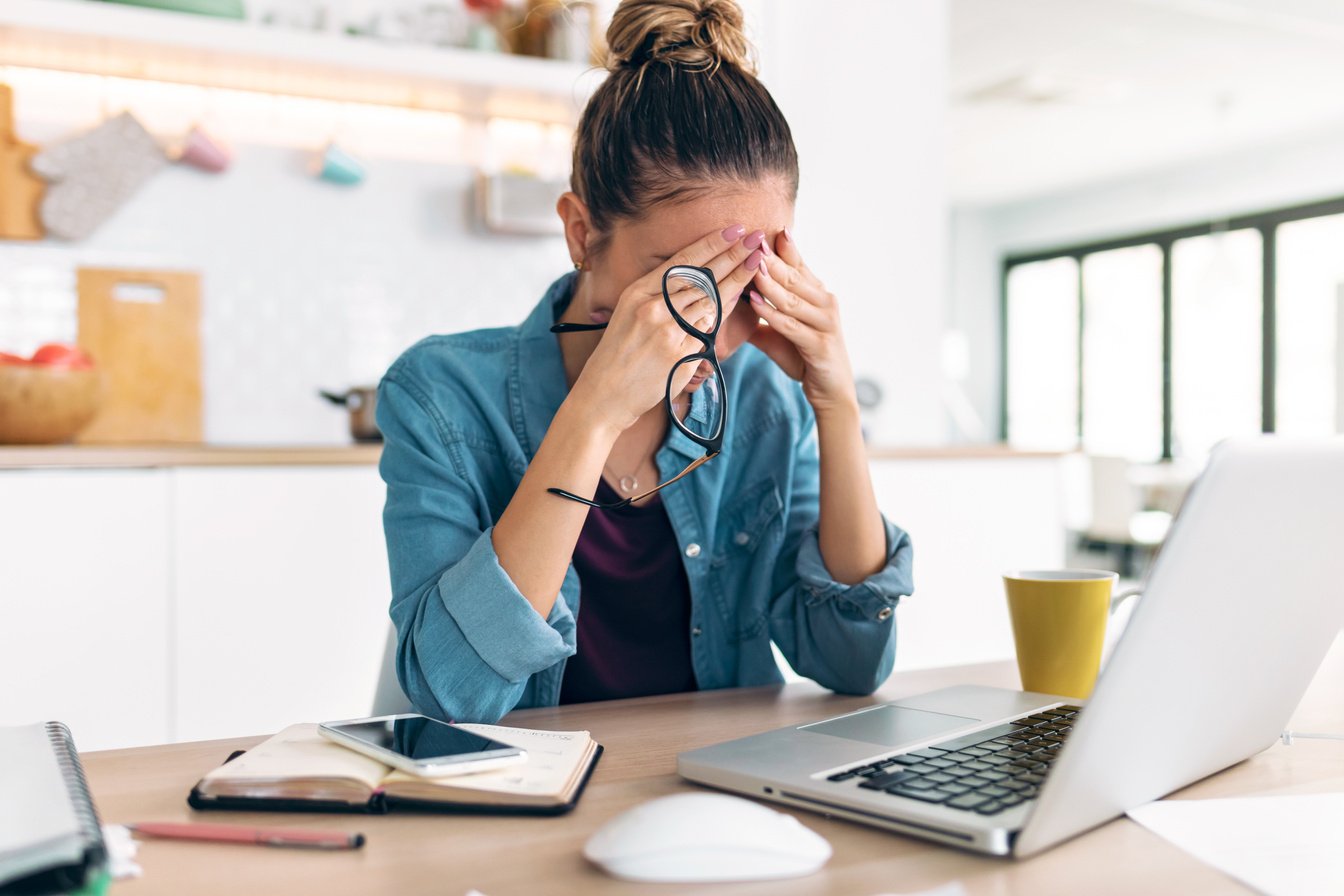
<point>389,699</point>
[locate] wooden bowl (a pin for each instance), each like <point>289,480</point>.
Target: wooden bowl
<point>43,405</point>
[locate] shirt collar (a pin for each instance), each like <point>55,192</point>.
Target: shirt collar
<point>540,385</point>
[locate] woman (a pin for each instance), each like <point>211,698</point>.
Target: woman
<point>510,591</point>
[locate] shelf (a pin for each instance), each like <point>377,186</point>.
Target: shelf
<point>23,457</point>
<point>132,42</point>
<point>29,457</point>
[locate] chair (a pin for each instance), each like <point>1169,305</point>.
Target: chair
<point>1118,519</point>
<point>388,698</point>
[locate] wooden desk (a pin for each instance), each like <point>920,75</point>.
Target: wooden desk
<point>502,856</point>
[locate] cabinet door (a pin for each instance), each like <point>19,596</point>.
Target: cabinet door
<point>84,603</point>
<point>282,593</point>
<point>970,520</point>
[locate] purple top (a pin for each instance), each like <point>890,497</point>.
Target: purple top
<point>634,606</point>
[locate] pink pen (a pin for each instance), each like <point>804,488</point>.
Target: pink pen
<point>234,833</point>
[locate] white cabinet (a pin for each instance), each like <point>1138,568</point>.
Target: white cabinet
<point>282,592</point>
<point>190,602</point>
<point>85,603</point>
<point>148,605</point>
<point>970,520</point>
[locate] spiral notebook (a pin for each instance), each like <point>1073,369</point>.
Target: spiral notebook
<point>50,839</point>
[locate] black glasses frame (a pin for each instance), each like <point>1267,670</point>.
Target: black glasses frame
<point>713,443</point>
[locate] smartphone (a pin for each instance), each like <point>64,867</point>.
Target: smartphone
<point>421,745</point>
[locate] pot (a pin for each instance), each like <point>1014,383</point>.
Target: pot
<point>360,402</point>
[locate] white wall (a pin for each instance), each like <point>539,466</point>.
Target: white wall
<point>1293,172</point>
<point>864,89</point>
<point>305,284</point>
<point>308,285</point>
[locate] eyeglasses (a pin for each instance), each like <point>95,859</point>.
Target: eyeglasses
<point>684,287</point>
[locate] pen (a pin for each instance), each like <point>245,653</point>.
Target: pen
<point>234,833</point>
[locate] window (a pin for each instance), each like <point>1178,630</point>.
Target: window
<point>1309,327</point>
<point>1042,400</point>
<point>1122,352</point>
<point>1216,314</point>
<point>1173,354</point>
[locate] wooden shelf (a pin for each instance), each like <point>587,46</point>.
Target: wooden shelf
<point>132,42</point>
<point>20,457</point>
<point>15,457</point>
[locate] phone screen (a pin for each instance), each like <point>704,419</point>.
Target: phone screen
<point>420,737</point>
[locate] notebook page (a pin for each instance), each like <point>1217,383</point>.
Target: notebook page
<point>300,752</point>
<point>552,760</point>
<point>38,827</point>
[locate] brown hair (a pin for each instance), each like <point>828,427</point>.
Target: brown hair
<point>680,112</point>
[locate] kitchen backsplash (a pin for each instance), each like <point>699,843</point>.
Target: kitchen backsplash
<point>305,284</point>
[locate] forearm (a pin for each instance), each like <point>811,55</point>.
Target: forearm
<point>851,534</point>
<point>535,537</point>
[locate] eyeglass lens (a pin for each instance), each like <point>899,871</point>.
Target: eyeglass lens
<point>698,377</point>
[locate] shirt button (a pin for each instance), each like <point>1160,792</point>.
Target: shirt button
<point>692,550</point>
<point>884,614</point>
<point>696,631</point>
<point>741,538</point>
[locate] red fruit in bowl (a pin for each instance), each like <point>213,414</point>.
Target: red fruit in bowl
<point>55,354</point>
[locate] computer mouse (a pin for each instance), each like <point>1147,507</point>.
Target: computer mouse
<point>703,837</point>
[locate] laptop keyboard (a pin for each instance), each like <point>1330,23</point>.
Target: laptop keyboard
<point>985,772</point>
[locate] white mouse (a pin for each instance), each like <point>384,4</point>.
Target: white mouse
<point>703,837</point>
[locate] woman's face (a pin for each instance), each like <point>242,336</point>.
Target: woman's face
<point>636,247</point>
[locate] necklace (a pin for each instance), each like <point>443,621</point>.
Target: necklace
<point>629,483</point>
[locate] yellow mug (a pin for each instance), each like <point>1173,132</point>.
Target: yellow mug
<point>1059,624</point>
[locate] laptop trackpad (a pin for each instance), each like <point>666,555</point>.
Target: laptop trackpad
<point>889,725</point>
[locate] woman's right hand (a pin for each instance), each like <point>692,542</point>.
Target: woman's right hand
<point>627,371</point>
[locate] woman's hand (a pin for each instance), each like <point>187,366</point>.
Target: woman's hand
<point>627,371</point>
<point>801,330</point>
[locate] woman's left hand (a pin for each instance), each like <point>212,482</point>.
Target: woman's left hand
<point>801,329</point>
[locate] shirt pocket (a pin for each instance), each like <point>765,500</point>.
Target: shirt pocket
<point>749,531</point>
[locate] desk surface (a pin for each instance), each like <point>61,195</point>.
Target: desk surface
<point>501,856</point>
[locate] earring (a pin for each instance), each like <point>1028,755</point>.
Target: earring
<point>578,265</point>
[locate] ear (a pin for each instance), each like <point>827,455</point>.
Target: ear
<point>578,225</point>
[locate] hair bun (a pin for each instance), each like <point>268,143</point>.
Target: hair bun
<point>699,35</point>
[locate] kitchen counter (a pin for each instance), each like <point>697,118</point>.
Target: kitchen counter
<point>21,457</point>
<point>987,451</point>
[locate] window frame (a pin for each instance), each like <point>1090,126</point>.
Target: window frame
<point>1266,222</point>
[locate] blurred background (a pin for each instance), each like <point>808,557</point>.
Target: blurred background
<point>1076,245</point>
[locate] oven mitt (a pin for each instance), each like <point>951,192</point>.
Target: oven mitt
<point>91,175</point>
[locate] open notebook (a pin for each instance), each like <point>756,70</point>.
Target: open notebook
<point>299,770</point>
<point>49,834</point>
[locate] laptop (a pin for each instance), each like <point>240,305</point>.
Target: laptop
<point>1239,609</point>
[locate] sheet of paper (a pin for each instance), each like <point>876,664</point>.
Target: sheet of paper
<point>1275,844</point>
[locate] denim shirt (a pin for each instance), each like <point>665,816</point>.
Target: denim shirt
<point>463,415</point>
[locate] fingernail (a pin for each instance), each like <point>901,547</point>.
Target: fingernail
<point>756,298</point>
<point>755,239</point>
<point>756,260</point>
<point>764,270</point>
<point>734,232</point>
<point>788,234</point>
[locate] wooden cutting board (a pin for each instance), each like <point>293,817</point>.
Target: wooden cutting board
<point>20,189</point>
<point>142,329</point>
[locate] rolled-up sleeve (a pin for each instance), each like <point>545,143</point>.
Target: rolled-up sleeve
<point>841,636</point>
<point>467,639</point>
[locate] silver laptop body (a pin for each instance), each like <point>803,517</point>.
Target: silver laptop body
<point>1239,609</point>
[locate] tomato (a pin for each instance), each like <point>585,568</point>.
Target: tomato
<point>55,354</point>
